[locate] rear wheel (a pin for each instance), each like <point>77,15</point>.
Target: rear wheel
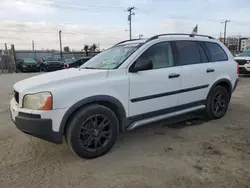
<point>217,102</point>
<point>92,132</point>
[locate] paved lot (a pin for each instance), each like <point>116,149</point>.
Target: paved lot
<point>192,153</point>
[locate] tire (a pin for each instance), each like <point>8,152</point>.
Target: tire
<point>217,102</point>
<point>86,141</point>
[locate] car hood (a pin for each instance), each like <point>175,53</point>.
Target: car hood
<point>53,80</point>
<point>242,58</point>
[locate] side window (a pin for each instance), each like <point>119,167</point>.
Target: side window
<point>216,52</point>
<point>204,57</point>
<point>159,54</point>
<point>188,52</point>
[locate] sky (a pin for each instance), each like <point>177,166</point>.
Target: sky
<point>105,22</point>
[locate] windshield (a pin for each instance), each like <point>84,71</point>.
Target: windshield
<point>29,61</point>
<point>245,53</point>
<point>112,57</point>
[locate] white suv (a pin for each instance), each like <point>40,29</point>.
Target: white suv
<point>244,62</point>
<point>128,85</point>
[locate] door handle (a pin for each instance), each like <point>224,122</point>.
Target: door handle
<point>210,70</point>
<point>174,75</point>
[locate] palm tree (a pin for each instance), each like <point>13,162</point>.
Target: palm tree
<point>86,49</point>
<point>94,47</point>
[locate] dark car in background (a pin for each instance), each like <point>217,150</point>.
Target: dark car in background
<point>77,63</point>
<point>51,64</point>
<point>28,65</point>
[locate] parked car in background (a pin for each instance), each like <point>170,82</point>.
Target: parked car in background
<point>27,65</point>
<point>51,64</point>
<point>244,62</point>
<point>78,62</point>
<point>66,61</point>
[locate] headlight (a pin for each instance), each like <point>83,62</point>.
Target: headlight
<point>24,65</point>
<point>248,62</point>
<point>38,101</point>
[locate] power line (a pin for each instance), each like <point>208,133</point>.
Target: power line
<point>225,29</point>
<point>66,33</point>
<point>71,6</point>
<point>130,9</point>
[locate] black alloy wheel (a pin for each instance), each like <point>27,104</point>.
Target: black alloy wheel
<point>217,102</point>
<point>92,131</point>
<point>95,133</point>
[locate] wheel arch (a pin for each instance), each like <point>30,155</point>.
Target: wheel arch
<point>114,104</point>
<point>223,82</point>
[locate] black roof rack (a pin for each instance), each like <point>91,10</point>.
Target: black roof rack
<point>170,34</point>
<point>126,41</point>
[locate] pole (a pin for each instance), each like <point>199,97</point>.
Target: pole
<point>130,20</point>
<point>33,45</point>
<point>225,29</point>
<point>60,39</point>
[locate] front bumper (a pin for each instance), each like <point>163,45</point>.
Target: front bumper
<point>42,124</point>
<point>32,124</point>
<point>244,70</point>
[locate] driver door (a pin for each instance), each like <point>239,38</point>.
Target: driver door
<point>153,92</point>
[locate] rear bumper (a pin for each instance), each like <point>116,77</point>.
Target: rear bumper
<point>32,124</point>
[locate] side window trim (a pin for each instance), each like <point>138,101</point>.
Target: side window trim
<point>175,53</point>
<point>200,47</point>
<point>171,45</point>
<point>206,51</point>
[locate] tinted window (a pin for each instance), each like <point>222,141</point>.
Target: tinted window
<point>160,54</point>
<point>204,57</point>
<point>188,52</point>
<point>216,52</point>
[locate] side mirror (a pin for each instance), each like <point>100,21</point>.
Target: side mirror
<point>141,65</point>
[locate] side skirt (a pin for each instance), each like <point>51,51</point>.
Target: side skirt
<point>143,119</point>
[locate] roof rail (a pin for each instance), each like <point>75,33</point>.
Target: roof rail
<point>126,41</point>
<point>170,34</point>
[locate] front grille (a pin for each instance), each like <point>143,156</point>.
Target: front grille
<point>16,95</point>
<point>241,62</point>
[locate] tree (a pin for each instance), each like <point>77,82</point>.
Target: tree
<point>86,49</point>
<point>94,47</point>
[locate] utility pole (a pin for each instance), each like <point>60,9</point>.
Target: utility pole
<point>130,9</point>
<point>33,45</point>
<point>225,29</point>
<point>60,39</point>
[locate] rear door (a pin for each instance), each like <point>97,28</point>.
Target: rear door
<point>219,61</point>
<point>196,73</point>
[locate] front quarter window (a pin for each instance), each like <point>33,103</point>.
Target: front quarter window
<point>111,58</point>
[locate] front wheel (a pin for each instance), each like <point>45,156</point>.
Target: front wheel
<point>92,131</point>
<point>217,102</point>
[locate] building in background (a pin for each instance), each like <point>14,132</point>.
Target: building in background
<point>245,44</point>
<point>237,43</point>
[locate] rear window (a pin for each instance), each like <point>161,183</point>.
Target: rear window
<point>216,52</point>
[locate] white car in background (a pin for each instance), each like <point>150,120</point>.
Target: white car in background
<point>244,62</point>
